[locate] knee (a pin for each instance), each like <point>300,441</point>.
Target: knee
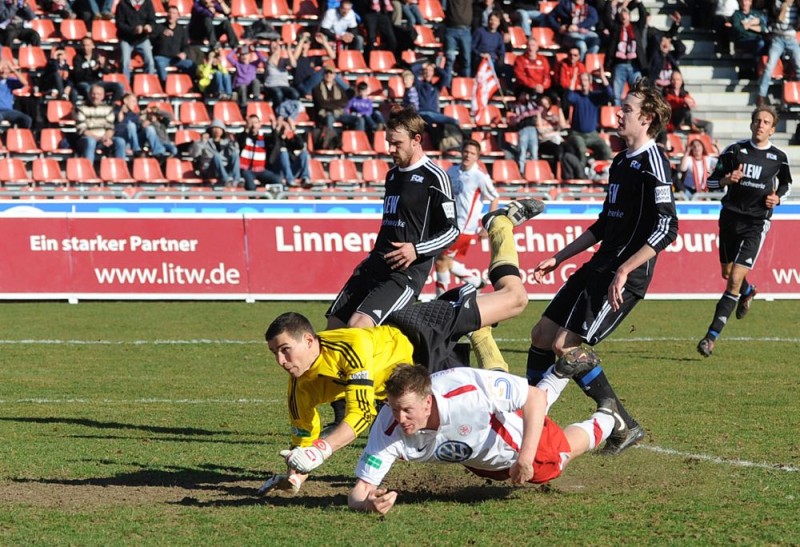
<point>359,320</point>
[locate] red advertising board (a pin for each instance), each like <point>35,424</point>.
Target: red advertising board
<point>310,256</point>
<point>125,257</point>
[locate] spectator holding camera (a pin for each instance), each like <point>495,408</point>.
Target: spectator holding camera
<point>277,86</point>
<point>308,69</point>
<point>246,61</point>
<point>139,134</point>
<point>213,79</point>
<point>136,20</point>
<point>88,68</point>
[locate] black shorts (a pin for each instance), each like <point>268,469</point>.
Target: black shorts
<point>581,305</point>
<point>741,238</point>
<point>375,291</point>
<point>435,327</point>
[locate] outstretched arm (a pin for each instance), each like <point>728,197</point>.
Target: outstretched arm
<point>533,414</point>
<point>368,497</point>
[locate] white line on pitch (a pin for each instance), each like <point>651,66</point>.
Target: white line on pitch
<point>201,341</point>
<point>45,401</point>
<point>717,460</point>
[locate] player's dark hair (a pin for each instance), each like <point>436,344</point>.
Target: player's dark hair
<point>472,142</point>
<point>406,117</point>
<point>769,110</point>
<point>407,378</point>
<point>653,105</point>
<point>294,324</point>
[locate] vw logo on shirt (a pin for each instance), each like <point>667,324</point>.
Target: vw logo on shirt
<point>453,452</point>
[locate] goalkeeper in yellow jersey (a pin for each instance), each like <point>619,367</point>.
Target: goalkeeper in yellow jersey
<point>356,362</point>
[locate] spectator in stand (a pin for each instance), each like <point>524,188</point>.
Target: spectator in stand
<point>723,27</point>
<point>138,134</point>
<point>210,19</point>
<point>487,42</point>
<point>551,143</point>
<point>15,21</point>
<point>682,105</point>
<point>532,70</point>
<point>288,150</point>
<point>529,15</point>
<point>92,9</point>
<point>246,60</point>
<point>170,43</point>
<point>329,101</point>
<point>308,70</point>
<point>568,71</point>
<point>665,52</point>
<point>749,36</point>
<point>216,155</point>
<point>480,17</point>
<point>136,20</point>
<point>785,20</point>
<point>277,86</point>
<point>410,95</point>
<point>410,11</point>
<point>457,38</point>
<point>160,121</point>
<point>213,78</point>
<point>428,88</point>
<point>525,120</point>
<point>361,106</point>
<point>88,68</point>
<point>376,16</point>
<point>574,21</point>
<point>696,166</point>
<point>57,76</point>
<point>583,133</point>
<point>8,84</point>
<point>626,56</point>
<point>254,155</point>
<point>340,24</point>
<point>95,126</point>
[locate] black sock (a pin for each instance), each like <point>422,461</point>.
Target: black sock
<point>596,386</point>
<point>745,289</point>
<point>539,360</point>
<point>725,308</point>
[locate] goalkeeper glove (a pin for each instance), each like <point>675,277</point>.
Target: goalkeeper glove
<point>286,483</point>
<point>309,458</point>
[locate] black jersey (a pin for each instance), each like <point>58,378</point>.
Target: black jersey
<point>418,207</point>
<point>639,210</point>
<point>766,170</point>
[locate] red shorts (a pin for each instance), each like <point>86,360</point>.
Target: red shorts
<point>461,246</point>
<point>547,464</point>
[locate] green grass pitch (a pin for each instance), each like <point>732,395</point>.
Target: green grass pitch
<point>155,423</point>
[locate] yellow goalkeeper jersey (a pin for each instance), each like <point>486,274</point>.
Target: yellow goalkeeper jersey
<point>355,362</point>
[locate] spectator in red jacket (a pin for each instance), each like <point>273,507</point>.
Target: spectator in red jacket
<point>532,70</point>
<point>568,71</point>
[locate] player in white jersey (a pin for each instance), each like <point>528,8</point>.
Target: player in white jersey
<point>471,189</point>
<point>491,422</point>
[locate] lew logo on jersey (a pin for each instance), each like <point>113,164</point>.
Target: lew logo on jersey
<point>751,171</point>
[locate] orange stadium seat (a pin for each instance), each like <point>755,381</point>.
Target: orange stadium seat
<point>180,86</point>
<point>462,89</point>
<point>262,109</point>
<point>379,143</point>
<point>228,112</point>
<point>518,38</point>
<point>181,172</point>
<point>431,10</point>
<point>460,112</point>
<point>594,61</point>
<point>244,8</point>
<point>20,142</point>
<point>545,37</point>
<point>539,172</point>
<point>383,61</point>
<point>306,9</point>
<point>115,171</point>
<point>506,172</point>
<point>193,113</point>
<point>31,58</point>
<point>13,172</point>
<point>47,171</point>
<point>276,9</point>
<point>374,87</point>
<point>73,30</point>
<point>184,136</point>
<point>81,171</point>
<point>373,171</point>
<point>608,116</point>
<point>50,142</point>
<point>104,32</point>
<point>317,173</point>
<point>490,117</point>
<point>395,87</point>
<point>148,171</point>
<point>356,143</point>
<point>675,147</point>
<point>343,172</point>
<point>148,86</point>
<point>120,79</point>
<point>351,60</point>
<point>426,38</point>
<point>46,29</point>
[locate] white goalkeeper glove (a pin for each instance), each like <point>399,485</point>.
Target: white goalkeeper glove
<point>309,458</point>
<point>285,483</point>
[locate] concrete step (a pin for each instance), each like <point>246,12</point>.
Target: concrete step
<point>732,101</point>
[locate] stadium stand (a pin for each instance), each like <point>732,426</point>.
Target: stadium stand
<point>44,157</point>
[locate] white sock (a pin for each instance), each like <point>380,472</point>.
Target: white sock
<point>459,269</point>
<point>598,427</point>
<point>442,282</point>
<point>552,385</point>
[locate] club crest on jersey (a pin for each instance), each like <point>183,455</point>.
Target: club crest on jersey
<point>464,430</point>
<point>771,156</point>
<point>449,209</point>
<point>635,165</point>
<point>453,452</point>
<point>417,178</point>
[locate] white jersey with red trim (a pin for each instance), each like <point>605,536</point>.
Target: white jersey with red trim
<point>480,425</point>
<point>471,188</point>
